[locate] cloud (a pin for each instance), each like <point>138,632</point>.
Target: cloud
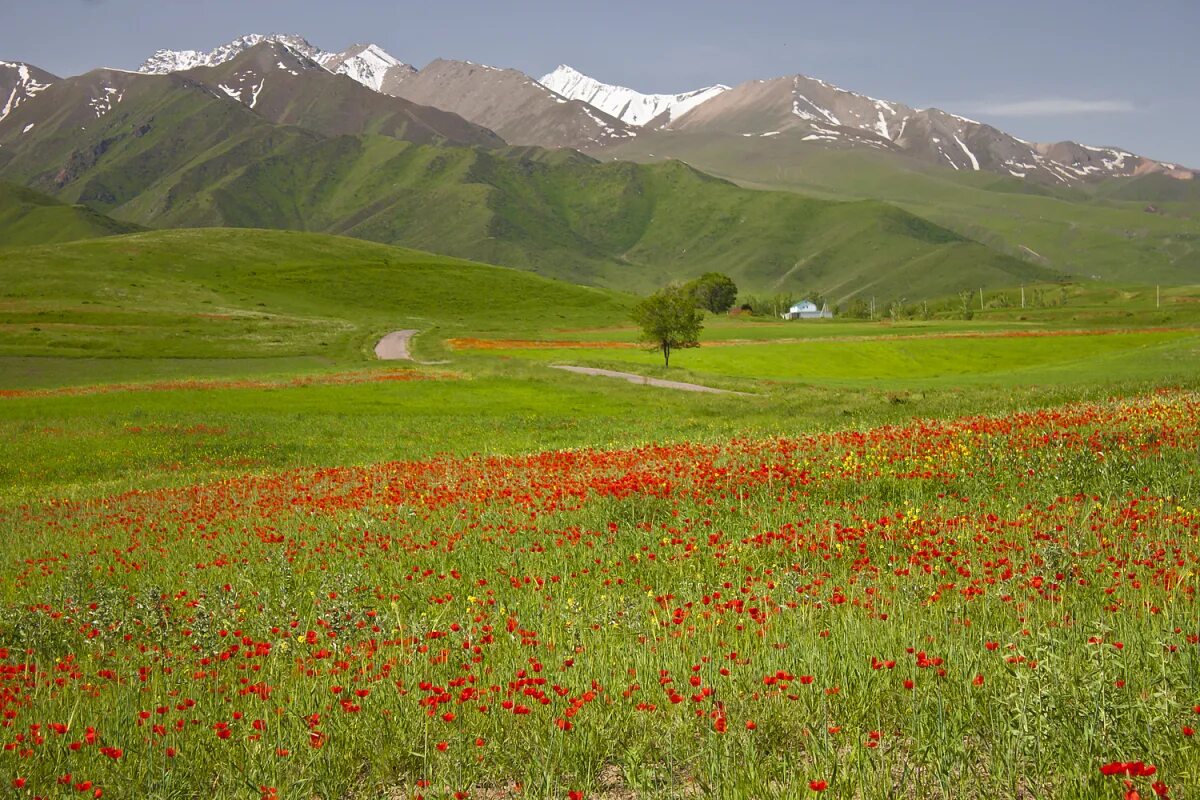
<point>1055,107</point>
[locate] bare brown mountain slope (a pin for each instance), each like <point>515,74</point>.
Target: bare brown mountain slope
<point>510,103</point>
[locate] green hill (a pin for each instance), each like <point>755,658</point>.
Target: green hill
<point>1104,232</point>
<point>621,225</point>
<point>1154,188</point>
<point>246,294</point>
<point>28,217</point>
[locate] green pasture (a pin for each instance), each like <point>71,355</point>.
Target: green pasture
<point>913,362</point>
<point>273,306</point>
<point>249,295</point>
<point>101,444</point>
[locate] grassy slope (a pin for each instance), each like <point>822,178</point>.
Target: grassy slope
<point>1070,231</point>
<point>28,217</point>
<point>165,138</point>
<point>618,225</point>
<point>220,294</point>
<point>1154,188</point>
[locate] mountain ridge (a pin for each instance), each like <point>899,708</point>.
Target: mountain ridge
<point>521,110</point>
<point>838,118</point>
<point>367,64</point>
<point>33,218</point>
<point>824,114</point>
<point>287,87</point>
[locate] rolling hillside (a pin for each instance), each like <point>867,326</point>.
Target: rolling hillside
<point>251,294</point>
<point>1103,231</point>
<point>28,218</point>
<point>624,226</point>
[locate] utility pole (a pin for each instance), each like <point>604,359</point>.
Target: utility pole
<point>872,307</point>
<point>1022,295</point>
<point>1158,296</point>
<point>981,298</point>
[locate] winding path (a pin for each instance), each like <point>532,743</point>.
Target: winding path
<point>642,379</point>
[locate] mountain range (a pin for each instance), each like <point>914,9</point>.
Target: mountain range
<point>489,163</point>
<point>819,112</point>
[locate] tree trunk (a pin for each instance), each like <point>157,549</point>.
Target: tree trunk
<point>666,355</point>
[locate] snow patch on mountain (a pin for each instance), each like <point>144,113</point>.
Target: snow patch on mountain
<point>25,87</point>
<point>627,105</point>
<point>967,150</point>
<point>104,103</point>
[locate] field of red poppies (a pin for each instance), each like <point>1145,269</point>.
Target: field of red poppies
<point>975,608</point>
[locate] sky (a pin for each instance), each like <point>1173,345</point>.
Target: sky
<point>1095,71</point>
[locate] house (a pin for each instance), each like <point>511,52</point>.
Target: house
<point>808,310</point>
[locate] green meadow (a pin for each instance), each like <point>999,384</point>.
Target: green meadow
<point>917,361</point>
<point>162,310</point>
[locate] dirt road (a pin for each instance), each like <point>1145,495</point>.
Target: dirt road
<point>394,346</point>
<point>642,379</point>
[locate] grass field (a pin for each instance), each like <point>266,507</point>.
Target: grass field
<point>935,608</point>
<point>937,559</point>
<point>921,360</point>
<point>250,295</point>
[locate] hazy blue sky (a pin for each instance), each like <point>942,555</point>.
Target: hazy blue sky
<point>1101,72</point>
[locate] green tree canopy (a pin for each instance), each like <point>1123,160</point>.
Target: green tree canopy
<point>670,320</point>
<point>714,291</point>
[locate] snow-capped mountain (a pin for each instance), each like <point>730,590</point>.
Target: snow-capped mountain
<point>20,82</point>
<point>165,61</point>
<point>367,64</point>
<point>278,82</point>
<point>521,110</point>
<point>820,114</point>
<point>569,109</point>
<point>627,105</point>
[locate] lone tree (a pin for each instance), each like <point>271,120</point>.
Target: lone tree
<point>714,291</point>
<point>669,320</point>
